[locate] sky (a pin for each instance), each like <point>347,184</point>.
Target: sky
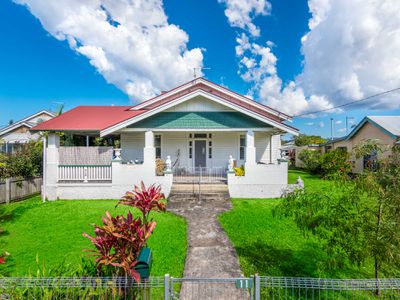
<point>296,56</point>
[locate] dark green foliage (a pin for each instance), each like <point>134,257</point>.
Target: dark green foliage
<point>304,140</point>
<point>327,164</point>
<point>334,162</point>
<point>312,160</point>
<point>357,220</point>
<point>26,163</point>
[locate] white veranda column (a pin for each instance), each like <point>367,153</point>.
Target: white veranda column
<point>149,152</point>
<point>52,161</point>
<point>250,148</point>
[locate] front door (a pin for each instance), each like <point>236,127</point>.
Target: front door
<point>200,153</point>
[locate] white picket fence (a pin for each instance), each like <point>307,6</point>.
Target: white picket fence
<point>14,189</point>
<point>84,173</point>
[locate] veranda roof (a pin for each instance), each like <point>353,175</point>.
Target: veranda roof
<point>88,118</point>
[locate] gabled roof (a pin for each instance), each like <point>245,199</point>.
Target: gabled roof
<point>25,122</point>
<point>88,118</point>
<point>218,90</point>
<point>109,119</point>
<point>390,125</point>
<point>152,110</point>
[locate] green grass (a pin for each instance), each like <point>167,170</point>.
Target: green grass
<point>53,232</point>
<point>274,246</point>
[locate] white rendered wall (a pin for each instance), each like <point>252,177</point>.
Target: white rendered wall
<point>124,177</point>
<point>260,181</point>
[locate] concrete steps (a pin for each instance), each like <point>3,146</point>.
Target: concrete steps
<point>191,197</point>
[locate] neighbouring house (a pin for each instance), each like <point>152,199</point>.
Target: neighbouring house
<point>14,136</point>
<point>200,130</point>
<point>384,129</point>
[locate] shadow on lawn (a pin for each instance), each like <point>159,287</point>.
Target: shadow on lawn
<point>268,260</point>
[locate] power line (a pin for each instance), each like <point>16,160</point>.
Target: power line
<point>350,103</point>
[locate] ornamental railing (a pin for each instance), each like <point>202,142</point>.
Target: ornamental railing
<point>84,173</point>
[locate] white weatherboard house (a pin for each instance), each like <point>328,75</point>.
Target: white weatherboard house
<point>199,129</point>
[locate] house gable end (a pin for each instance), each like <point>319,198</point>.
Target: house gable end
<point>200,120</point>
<point>207,97</point>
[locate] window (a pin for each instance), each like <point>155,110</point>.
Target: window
<point>157,145</point>
<point>200,135</point>
<point>209,149</point>
<point>242,147</point>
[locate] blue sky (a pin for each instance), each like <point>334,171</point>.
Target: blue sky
<point>37,70</point>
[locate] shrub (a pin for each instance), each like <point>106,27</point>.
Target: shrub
<point>160,167</point>
<point>25,163</point>
<point>334,162</point>
<point>239,171</point>
<point>327,164</point>
<point>311,160</point>
<point>118,242</point>
<point>145,199</point>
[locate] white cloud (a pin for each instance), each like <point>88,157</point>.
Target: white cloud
<point>310,123</point>
<point>341,130</point>
<point>241,13</point>
<point>130,43</point>
<point>258,66</point>
<point>338,122</point>
<point>352,51</point>
<point>321,124</point>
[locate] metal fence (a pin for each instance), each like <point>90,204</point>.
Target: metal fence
<point>320,288</point>
<point>199,174</point>
<point>93,288</point>
<point>168,288</point>
<point>14,189</point>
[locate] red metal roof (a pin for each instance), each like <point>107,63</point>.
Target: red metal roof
<point>88,118</point>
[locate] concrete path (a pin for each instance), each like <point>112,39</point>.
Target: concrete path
<point>210,252</point>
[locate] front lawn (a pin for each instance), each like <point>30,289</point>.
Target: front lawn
<point>274,246</point>
<point>53,232</point>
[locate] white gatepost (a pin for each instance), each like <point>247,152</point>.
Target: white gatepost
<point>250,149</point>
<point>149,152</point>
<point>52,161</point>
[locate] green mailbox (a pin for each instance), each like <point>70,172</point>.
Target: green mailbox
<point>143,266</point>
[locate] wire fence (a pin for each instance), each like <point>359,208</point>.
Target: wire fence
<point>168,288</point>
<point>320,288</point>
<point>93,288</point>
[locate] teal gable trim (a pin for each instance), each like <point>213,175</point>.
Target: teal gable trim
<point>199,120</point>
<point>368,120</point>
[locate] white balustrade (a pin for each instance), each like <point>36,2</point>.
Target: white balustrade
<point>84,173</point>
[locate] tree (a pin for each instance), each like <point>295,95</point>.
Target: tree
<point>358,220</point>
<point>304,140</point>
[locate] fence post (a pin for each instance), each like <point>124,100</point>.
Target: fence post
<point>8,190</point>
<point>166,287</point>
<point>257,287</point>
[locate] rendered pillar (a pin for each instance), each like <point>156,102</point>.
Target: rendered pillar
<point>250,149</point>
<point>149,152</point>
<point>52,161</point>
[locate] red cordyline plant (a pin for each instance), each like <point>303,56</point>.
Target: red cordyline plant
<point>145,199</point>
<point>118,242</point>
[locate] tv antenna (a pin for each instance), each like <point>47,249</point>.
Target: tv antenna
<point>199,69</point>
